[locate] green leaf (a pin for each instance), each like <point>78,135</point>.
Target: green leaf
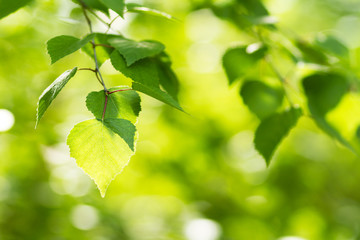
<point>272,131</point>
<point>324,91</point>
<point>136,8</point>
<point>51,92</point>
<point>261,99</point>
<point>8,7</point>
<point>124,104</point>
<point>117,6</point>
<point>145,76</point>
<point>99,151</point>
<point>61,46</point>
<point>238,61</point>
<point>133,51</point>
<point>94,4</point>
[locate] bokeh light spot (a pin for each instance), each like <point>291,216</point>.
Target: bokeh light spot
<point>84,217</point>
<point>7,120</point>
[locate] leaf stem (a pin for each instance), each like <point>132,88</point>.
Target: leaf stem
<point>106,101</point>
<point>120,90</point>
<point>97,69</point>
<point>89,69</point>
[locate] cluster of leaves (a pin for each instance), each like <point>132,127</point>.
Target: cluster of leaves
<point>323,88</point>
<point>103,146</point>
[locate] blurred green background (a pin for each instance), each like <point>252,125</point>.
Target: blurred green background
<point>195,176</point>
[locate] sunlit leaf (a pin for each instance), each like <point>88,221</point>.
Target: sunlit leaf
<point>61,46</point>
<point>52,91</point>
<point>99,150</point>
<point>94,4</point>
<point>333,45</point>
<point>272,131</point>
<point>136,8</point>
<point>133,51</point>
<point>261,99</point>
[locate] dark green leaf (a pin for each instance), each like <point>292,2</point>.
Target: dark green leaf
<point>133,51</point>
<point>145,76</point>
<point>324,91</point>
<point>167,77</point>
<point>124,128</point>
<point>7,6</point>
<point>261,99</point>
<point>52,91</point>
<point>124,104</point>
<point>61,46</point>
<point>272,131</point>
<point>94,4</point>
<point>238,61</point>
<point>117,6</point>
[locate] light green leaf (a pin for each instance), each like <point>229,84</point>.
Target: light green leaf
<point>324,91</point>
<point>145,76</point>
<point>52,91</point>
<point>272,131</point>
<point>117,6</point>
<point>311,53</point>
<point>333,45</point>
<point>7,7</point>
<point>133,51</point>
<point>125,104</point>
<point>99,151</point>
<point>136,8</point>
<point>238,61</point>
<point>261,99</point>
<point>61,46</point>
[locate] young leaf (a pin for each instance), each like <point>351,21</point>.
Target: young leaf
<point>124,104</point>
<point>136,8</point>
<point>237,61</point>
<point>261,99</point>
<point>145,76</point>
<point>273,129</point>
<point>324,91</point>
<point>100,151</point>
<point>117,6</point>
<point>8,7</point>
<point>61,46</point>
<point>51,92</point>
<point>133,51</point>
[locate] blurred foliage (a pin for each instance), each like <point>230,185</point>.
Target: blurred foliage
<point>195,176</point>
